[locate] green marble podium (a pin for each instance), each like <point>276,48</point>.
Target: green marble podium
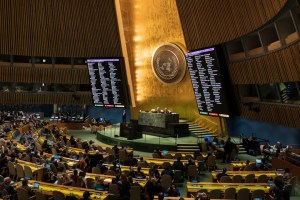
<point>160,120</point>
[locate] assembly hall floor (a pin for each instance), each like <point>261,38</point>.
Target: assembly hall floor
<point>85,134</point>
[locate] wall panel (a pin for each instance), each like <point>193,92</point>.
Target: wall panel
<point>206,22</point>
<point>280,66</point>
<point>44,75</point>
<point>58,28</point>
<point>287,115</point>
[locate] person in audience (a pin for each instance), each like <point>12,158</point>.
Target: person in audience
<point>139,173</point>
<point>124,187</point>
<point>73,141</point>
<point>201,196</point>
<point>172,191</point>
<point>266,150</point>
<point>223,173</point>
<point>178,165</point>
<point>153,172</point>
<point>102,167</point>
<point>8,187</point>
<point>168,171</point>
<point>116,149</point>
<point>3,161</point>
<point>228,147</point>
<point>74,176</point>
<point>287,176</point>
<point>142,162</point>
<point>277,192</point>
<point>27,188</point>
<point>157,150</point>
<point>86,196</point>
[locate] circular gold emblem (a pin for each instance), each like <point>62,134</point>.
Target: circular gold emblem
<point>168,63</point>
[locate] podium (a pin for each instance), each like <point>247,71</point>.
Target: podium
<point>130,131</point>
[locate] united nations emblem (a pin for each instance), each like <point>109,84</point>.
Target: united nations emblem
<point>168,63</point>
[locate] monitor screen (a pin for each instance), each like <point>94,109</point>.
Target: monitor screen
<point>36,185</point>
<point>48,166</point>
<point>258,161</point>
<point>56,157</point>
<point>108,82</point>
<point>207,68</point>
<point>99,187</point>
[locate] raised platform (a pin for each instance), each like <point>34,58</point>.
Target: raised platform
<point>145,143</point>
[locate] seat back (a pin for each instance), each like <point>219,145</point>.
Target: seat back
<point>122,155</point>
<point>95,170</point>
<point>178,177</point>
<point>237,179</point>
<point>250,178</point>
<point>166,181</point>
<point>111,172</point>
<point>215,194</point>
<point>243,194</point>
<point>28,172</point>
<point>258,194</point>
<point>11,168</point>
<point>90,183</point>
<point>22,194</point>
<point>57,195</point>
<point>114,189</point>
<point>262,178</point>
<point>230,193</point>
<point>20,171</point>
<point>40,196</point>
<point>225,179</point>
<point>192,171</point>
<point>135,193</point>
<point>53,168</point>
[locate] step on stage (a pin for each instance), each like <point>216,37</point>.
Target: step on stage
<point>143,141</point>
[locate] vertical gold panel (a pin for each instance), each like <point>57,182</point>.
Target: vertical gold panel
<point>148,24</point>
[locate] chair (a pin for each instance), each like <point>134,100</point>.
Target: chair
<point>237,179</point>
<point>61,167</point>
<point>293,182</point>
<point>53,168</point>
<point>188,156</point>
<point>258,194</point>
<point>166,181</point>
<point>27,157</point>
<point>200,158</point>
<point>20,171</point>
<point>11,169</point>
<point>34,159</point>
<point>155,155</point>
<point>122,155</point>
<point>262,178</point>
<point>28,172</point>
<point>100,149</point>
<point>192,172</point>
<point>168,156</point>
<point>57,195</point>
<point>250,178</point>
<point>110,172</point>
<point>288,189</point>
<point>22,194</point>
<point>114,189</point>
<point>79,145</point>
<point>215,194</point>
<point>90,183</point>
<point>53,150</point>
<point>40,196</point>
<point>233,154</point>
<point>225,179</point>
<point>229,193</point>
<point>280,178</point>
<point>211,162</point>
<point>135,193</point>
<point>204,147</point>
<point>166,165</point>
<point>178,155</point>
<point>243,194</point>
<point>250,167</point>
<point>95,170</point>
<point>178,177</point>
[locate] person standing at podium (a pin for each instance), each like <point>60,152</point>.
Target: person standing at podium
<point>124,116</point>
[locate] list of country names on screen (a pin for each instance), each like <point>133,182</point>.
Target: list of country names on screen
<point>106,83</point>
<point>204,71</point>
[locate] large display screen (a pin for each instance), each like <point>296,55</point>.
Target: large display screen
<point>208,83</point>
<point>107,82</point>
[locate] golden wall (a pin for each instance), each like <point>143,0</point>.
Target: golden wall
<point>148,24</point>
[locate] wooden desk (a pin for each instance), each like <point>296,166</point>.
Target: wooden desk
<point>237,165</point>
<point>193,188</point>
<point>69,161</point>
<point>145,170</point>
<point>183,154</point>
<point>48,188</point>
<point>37,170</point>
<point>107,179</point>
<point>160,161</point>
<point>270,174</point>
